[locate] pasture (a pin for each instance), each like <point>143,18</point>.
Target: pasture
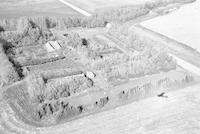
<point>15,9</point>
<point>181,25</point>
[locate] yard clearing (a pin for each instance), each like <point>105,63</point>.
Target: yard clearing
<point>181,25</point>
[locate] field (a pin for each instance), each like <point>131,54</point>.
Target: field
<point>15,9</point>
<point>181,25</point>
<point>94,5</point>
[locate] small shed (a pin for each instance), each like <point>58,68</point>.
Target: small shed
<point>52,46</point>
<point>90,75</point>
<point>108,25</point>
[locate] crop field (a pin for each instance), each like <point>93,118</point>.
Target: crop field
<point>181,25</point>
<point>93,5</point>
<point>34,8</point>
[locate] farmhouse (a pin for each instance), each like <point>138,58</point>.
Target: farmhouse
<point>52,46</point>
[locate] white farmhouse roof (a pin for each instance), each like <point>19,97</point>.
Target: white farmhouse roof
<point>52,46</point>
<point>109,25</point>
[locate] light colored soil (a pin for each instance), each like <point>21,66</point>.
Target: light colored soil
<point>181,25</point>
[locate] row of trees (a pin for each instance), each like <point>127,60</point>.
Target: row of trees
<point>59,110</point>
<point>27,34</point>
<point>30,61</point>
<point>40,90</point>
<point>141,65</point>
<point>8,74</point>
<point>109,60</point>
<point>118,14</point>
<point>100,19</point>
<point>64,87</point>
<point>148,89</point>
<point>159,3</point>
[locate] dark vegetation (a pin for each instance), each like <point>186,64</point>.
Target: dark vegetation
<point>160,3</point>
<point>147,63</point>
<point>8,73</point>
<point>149,89</point>
<point>59,108</point>
<point>49,96</point>
<point>41,90</point>
<point>101,18</point>
<point>26,33</point>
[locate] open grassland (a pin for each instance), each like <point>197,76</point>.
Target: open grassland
<point>181,25</point>
<point>15,9</point>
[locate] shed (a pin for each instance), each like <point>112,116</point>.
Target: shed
<point>90,75</point>
<point>52,46</point>
<point>108,25</point>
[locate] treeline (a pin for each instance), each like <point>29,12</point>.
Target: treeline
<point>35,30</point>
<point>159,3</point>
<point>148,63</point>
<point>107,61</point>
<point>57,110</point>
<point>150,88</point>
<point>8,74</point>
<point>49,95</point>
<point>100,19</point>
<point>62,109</point>
<point>41,90</point>
<point>27,33</point>
<point>37,61</point>
<point>64,87</point>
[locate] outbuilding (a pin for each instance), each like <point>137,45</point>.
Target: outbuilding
<point>90,75</point>
<point>52,46</point>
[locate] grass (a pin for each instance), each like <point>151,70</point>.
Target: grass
<point>46,8</point>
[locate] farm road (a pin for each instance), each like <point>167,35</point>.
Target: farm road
<point>76,8</point>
